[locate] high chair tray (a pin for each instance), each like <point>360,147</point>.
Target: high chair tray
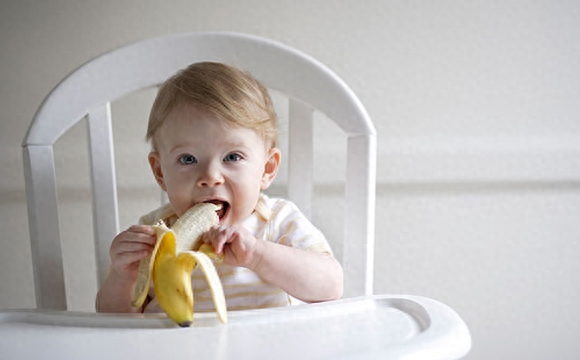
<point>371,327</point>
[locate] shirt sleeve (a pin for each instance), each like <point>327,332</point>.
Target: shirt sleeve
<point>290,227</point>
<point>165,212</point>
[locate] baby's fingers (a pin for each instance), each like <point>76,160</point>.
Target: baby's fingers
<point>137,238</point>
<point>145,231</point>
<point>142,245</point>
<point>217,237</point>
<point>126,258</point>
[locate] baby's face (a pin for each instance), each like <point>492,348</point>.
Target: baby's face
<point>199,159</point>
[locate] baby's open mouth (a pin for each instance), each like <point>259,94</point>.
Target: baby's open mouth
<point>223,208</point>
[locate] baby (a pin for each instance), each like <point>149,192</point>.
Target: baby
<point>213,133</point>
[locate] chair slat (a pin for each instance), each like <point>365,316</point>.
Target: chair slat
<point>300,162</point>
<point>104,186</point>
<point>44,226</point>
<point>359,215</point>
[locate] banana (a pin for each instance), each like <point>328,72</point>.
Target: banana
<point>177,252</point>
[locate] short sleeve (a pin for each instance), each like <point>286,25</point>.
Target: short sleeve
<point>165,212</point>
<point>289,226</point>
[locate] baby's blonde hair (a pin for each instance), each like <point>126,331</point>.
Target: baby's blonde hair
<point>232,94</point>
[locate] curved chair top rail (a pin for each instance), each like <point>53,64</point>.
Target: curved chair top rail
<point>112,75</point>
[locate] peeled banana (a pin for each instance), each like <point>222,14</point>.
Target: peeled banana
<point>177,252</point>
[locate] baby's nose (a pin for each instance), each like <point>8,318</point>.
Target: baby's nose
<point>210,177</point>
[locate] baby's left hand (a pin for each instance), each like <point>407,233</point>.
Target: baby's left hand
<point>235,242</point>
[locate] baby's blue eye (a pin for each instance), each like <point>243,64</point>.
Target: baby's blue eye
<point>233,157</point>
<point>187,159</point>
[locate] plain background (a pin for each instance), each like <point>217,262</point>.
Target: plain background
<point>477,108</point>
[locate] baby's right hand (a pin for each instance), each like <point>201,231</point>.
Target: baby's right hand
<point>129,247</point>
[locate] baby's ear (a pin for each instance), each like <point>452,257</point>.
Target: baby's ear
<point>271,167</point>
<point>155,164</point>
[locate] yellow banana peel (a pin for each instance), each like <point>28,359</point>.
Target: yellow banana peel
<point>176,254</point>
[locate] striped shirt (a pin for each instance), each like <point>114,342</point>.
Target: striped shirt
<point>276,220</point>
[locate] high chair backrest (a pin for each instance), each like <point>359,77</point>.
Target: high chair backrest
<point>88,91</point>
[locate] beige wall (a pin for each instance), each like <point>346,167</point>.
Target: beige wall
<point>476,105</point>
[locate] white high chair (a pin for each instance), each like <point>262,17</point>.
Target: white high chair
<point>385,326</point>
<point>88,91</point>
